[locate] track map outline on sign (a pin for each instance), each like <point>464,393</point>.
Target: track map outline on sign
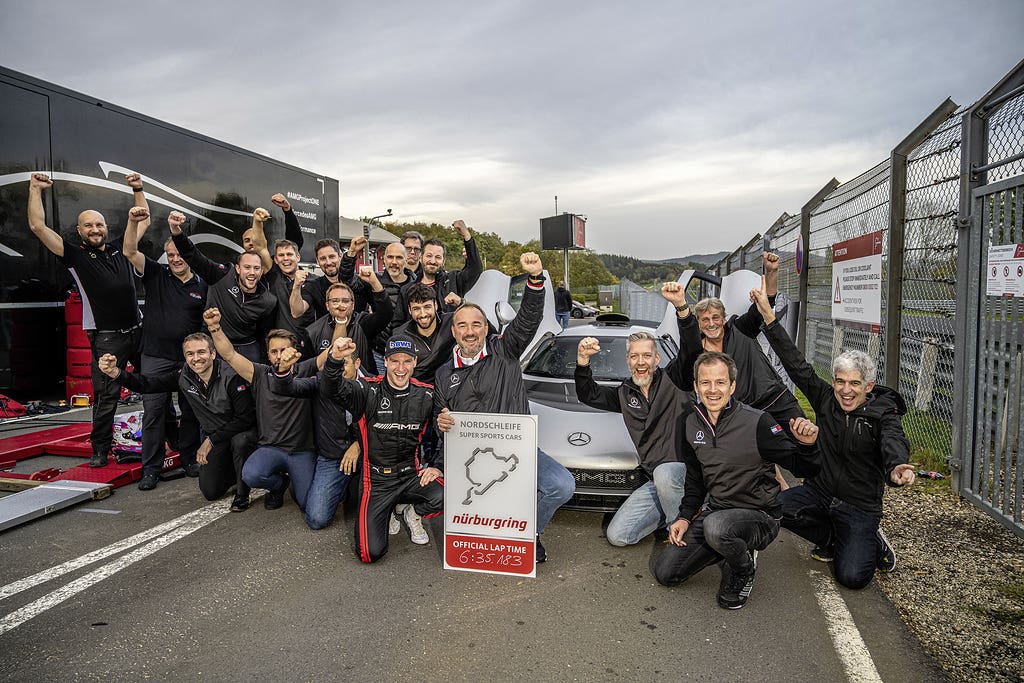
<point>490,494</point>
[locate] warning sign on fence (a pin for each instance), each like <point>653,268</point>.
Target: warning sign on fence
<point>1005,270</point>
<point>857,280</point>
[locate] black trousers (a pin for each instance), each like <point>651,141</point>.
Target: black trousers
<point>378,495</point>
<point>106,392</point>
<point>223,468</point>
<point>159,423</point>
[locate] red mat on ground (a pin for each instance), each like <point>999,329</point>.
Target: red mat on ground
<point>30,445</point>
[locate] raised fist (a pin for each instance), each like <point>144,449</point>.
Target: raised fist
<point>367,275</point>
<point>674,293</point>
<point>108,365</point>
<point>300,277</point>
<point>138,214</point>
<point>211,316</point>
<point>135,180</point>
<point>531,263</point>
<point>804,431</point>
<point>176,221</point>
<point>288,358</point>
<point>453,299</point>
<point>282,201</point>
<point>261,215</point>
<point>342,348</point>
<point>357,244</point>
<point>40,180</point>
<point>770,261</point>
<point>588,347</point>
<point>460,226</point>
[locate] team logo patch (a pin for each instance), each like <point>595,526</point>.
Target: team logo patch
<point>400,344</point>
<point>698,438</point>
<point>324,344</point>
<point>776,429</point>
<point>241,387</point>
<point>634,402</point>
<point>196,295</point>
<point>455,380</point>
<point>385,403</point>
<point>234,291</point>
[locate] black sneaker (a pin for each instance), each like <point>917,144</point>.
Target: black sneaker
<point>98,460</point>
<point>823,553</point>
<point>274,499</point>
<point>738,587</point>
<point>540,553</point>
<point>240,503</point>
<point>191,469</point>
<point>148,482</point>
<point>886,555</point>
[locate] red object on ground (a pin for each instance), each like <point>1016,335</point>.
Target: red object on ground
<point>30,445</point>
<point>79,372</point>
<point>10,408</point>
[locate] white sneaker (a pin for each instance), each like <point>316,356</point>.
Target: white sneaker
<point>394,526</point>
<point>415,524</point>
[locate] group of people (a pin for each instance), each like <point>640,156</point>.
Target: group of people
<point>290,381</point>
<point>287,380</point>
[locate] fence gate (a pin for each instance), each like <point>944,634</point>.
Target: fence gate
<point>989,422</point>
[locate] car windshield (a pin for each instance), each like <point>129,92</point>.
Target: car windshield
<point>557,358</point>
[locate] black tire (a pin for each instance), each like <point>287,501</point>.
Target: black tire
<point>576,313</point>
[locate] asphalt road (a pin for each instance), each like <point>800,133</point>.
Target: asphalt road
<point>251,595</point>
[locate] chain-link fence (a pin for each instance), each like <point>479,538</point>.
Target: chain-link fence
<point>927,209</point>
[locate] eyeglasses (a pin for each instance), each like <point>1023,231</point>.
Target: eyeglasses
<point>413,250</point>
<point>339,301</point>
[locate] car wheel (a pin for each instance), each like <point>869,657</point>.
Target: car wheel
<point>576,313</point>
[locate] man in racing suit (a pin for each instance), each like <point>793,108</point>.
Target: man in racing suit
<point>393,412</point>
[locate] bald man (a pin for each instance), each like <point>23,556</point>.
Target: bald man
<point>110,308</point>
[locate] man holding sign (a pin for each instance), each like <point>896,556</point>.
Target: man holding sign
<point>485,377</point>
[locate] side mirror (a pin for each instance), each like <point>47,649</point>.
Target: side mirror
<point>504,312</point>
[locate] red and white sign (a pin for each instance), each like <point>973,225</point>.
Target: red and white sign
<point>1005,270</point>
<point>579,232</point>
<point>490,494</point>
<point>857,280</point>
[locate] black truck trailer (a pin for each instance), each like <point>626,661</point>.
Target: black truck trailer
<point>87,146</point>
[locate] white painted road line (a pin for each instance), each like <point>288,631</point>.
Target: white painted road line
<point>849,645</point>
<point>73,565</point>
<point>195,521</point>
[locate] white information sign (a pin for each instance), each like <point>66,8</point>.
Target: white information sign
<point>857,280</point>
<point>1005,270</point>
<point>490,494</point>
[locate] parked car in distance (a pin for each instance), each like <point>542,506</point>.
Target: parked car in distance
<point>581,310</point>
<point>592,444</point>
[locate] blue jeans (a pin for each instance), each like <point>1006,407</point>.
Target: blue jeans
<point>714,536</point>
<point>563,319</point>
<point>325,492</point>
<point>828,521</point>
<point>265,467</point>
<point>653,505</point>
<point>555,486</point>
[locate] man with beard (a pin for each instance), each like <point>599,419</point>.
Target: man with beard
<point>110,309</point>
<point>652,406</point>
<point>284,424</point>
<point>311,293</point>
<point>484,376</point>
<point>223,406</point>
<point>342,320</point>
<point>393,411</point>
<point>445,283</point>
<point>395,276</point>
<point>433,334</point>
<point>247,306</point>
<point>730,509</point>
<point>413,243</point>
<point>175,299</point>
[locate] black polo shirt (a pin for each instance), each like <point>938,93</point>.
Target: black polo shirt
<point>106,282</point>
<point>283,421</point>
<point>245,317</point>
<point>174,310</point>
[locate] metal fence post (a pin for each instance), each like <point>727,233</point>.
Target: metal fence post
<point>805,236</point>
<point>897,224</point>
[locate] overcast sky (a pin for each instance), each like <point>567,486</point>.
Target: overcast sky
<point>678,127</point>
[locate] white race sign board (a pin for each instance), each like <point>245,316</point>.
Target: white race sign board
<point>857,280</point>
<point>490,494</point>
<point>1005,270</point>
